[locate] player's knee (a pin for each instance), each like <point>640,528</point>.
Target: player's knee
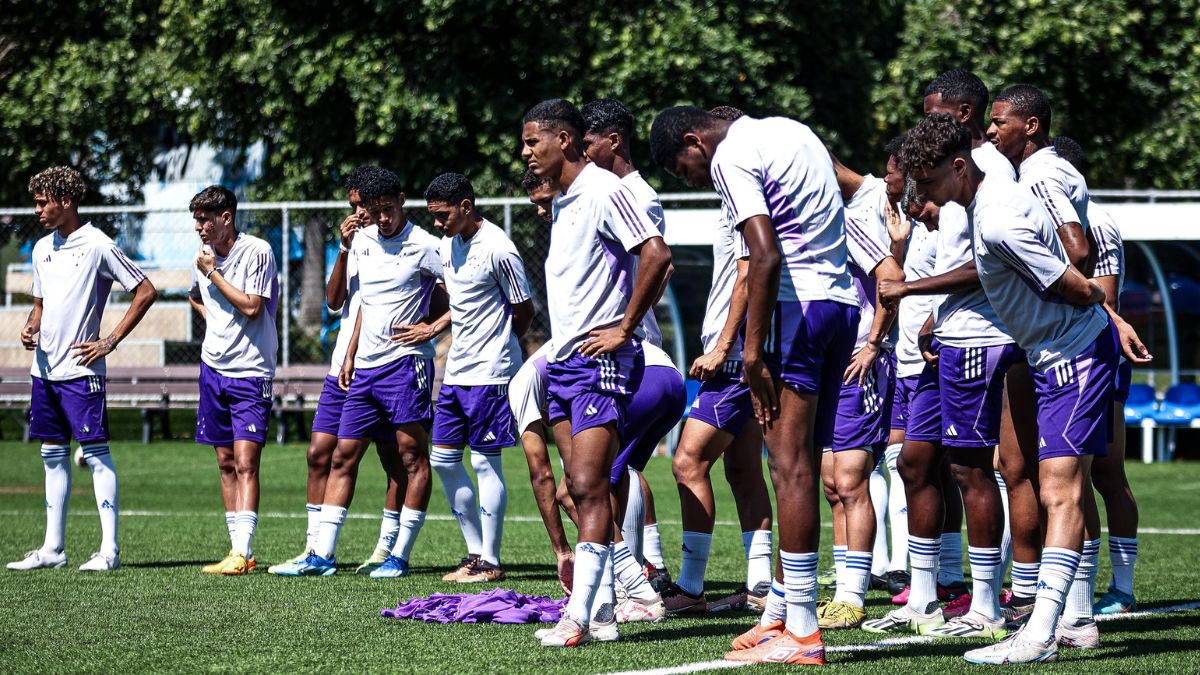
<point>911,472</point>
<point>688,470</point>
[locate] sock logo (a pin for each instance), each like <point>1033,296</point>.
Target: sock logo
<point>107,505</point>
<point>686,549</point>
<point>1041,585</point>
<point>483,512</point>
<point>589,547</point>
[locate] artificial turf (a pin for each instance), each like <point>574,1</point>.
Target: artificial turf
<point>159,613</point>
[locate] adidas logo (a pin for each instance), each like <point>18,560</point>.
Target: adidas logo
<point>251,429</point>
<point>107,505</point>
<point>491,436</point>
<point>591,410</point>
<point>1042,584</point>
<point>686,549</point>
<point>589,547</point>
<point>696,403</point>
<point>483,512</point>
<point>84,429</point>
<point>1041,442</point>
<point>951,431</point>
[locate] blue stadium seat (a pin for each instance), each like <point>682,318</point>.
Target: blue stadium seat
<point>1141,403</point>
<point>693,388</point>
<point>1180,405</point>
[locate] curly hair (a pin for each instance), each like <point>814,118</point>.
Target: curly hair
<point>666,134</point>
<point>531,181</point>
<point>934,140</point>
<point>1070,150</point>
<point>607,115</point>
<point>377,182</point>
<point>893,147</point>
<point>355,177</point>
<point>214,198</point>
<point>961,86</point>
<point>1028,101</point>
<point>450,188</point>
<point>727,112</point>
<point>59,182</point>
<point>558,114</point>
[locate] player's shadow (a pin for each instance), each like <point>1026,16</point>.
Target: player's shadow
<point>731,627</point>
<point>167,564</point>
<point>1157,622</point>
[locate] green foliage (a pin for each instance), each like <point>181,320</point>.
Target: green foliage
<point>430,86</point>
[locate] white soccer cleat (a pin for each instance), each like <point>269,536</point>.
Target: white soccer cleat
<point>37,560</point>
<point>905,619</point>
<point>101,563</point>
<point>971,625</point>
<point>1086,636</point>
<point>636,609</point>
<point>567,633</point>
<point>1014,649</point>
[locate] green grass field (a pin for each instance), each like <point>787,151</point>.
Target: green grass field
<point>158,613</point>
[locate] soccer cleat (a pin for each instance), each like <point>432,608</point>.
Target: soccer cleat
<point>630,609</point>
<point>289,561</point>
<point>659,578</point>
<point>897,581</point>
<point>756,598</point>
<point>906,619</point>
<point>312,566</point>
<point>784,648</point>
<point>954,590</point>
<point>463,569</point>
<point>483,572</point>
<point>1086,636</point>
<point>38,559</point>
<point>371,564</point>
<point>828,577</point>
<point>678,601</point>
<point>901,598</point>
<point>971,625</point>
<point>236,565</point>
<point>757,635</point>
<point>567,633</point>
<point>1017,612</point>
<point>841,615</point>
<point>1115,602</point>
<point>877,583</point>
<point>1014,649</point>
<point>101,563</point>
<point>392,568</point>
<point>957,607</point>
<point>603,627</point>
<point>733,602</point>
<point>215,568</point>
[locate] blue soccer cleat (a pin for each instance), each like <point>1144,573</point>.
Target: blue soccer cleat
<point>392,568</point>
<point>312,566</point>
<point>1115,602</point>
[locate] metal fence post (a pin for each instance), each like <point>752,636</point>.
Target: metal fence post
<point>508,220</point>
<point>286,292</point>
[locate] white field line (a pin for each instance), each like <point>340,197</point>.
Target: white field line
<point>702,666</point>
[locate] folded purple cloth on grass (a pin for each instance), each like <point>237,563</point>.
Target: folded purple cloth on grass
<point>495,606</point>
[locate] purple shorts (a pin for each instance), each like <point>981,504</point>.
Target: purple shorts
<point>724,401</point>
<point>657,406</point>
<point>397,393</point>
<point>329,412</point>
<point>594,392</point>
<point>864,411</point>
<point>971,380</point>
<point>808,347</point>
<point>1075,399</point>
<point>478,415</point>
<point>1124,381</point>
<point>902,399</point>
<point>60,409</point>
<point>925,406</point>
<point>232,408</point>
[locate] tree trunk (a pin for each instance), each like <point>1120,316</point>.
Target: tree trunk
<point>312,279</point>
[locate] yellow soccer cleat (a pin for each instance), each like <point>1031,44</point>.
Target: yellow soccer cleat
<point>841,615</point>
<point>215,568</point>
<point>373,563</point>
<point>237,565</point>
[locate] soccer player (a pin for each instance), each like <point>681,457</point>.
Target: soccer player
<point>236,290</point>
<point>1108,472</point>
<point>1053,312</point>
<point>341,292</point>
<point>721,424</point>
<point>490,310</point>
<point>387,372</point>
<point>74,267</point>
<point>595,309</point>
<point>777,186</point>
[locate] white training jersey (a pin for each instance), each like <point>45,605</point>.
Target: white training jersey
<point>73,276</point>
<point>991,162</point>
<point>484,277</point>
<point>655,356</point>
<point>346,327</point>
<point>728,248</point>
<point>868,244</point>
<point>1058,187</point>
<point>234,344</point>
<point>1110,247</point>
<point>527,389</point>
<point>589,270</point>
<point>919,262</point>
<point>396,277</point>
<point>777,167</point>
<point>1020,257</point>
<point>646,200</point>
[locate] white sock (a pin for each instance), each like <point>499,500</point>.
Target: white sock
<point>1122,552</point>
<point>460,493</point>
<point>1078,608</point>
<point>605,601</point>
<point>879,500</point>
<point>800,590</point>
<point>56,459</point>
<point>696,546</point>
<point>986,580</point>
<point>230,517</point>
<point>244,525</point>
<point>897,511</point>
<point>652,546</point>
<point>776,609</point>
<point>1057,571</point>
<point>493,502</point>
<point>758,557</point>
<point>590,560</point>
<point>923,554</point>
<point>104,483</point>
<point>389,527</point>
<point>411,521</point>
<point>950,566</point>
<point>857,574</point>
<point>1006,538</point>
<point>1024,579</point>
<point>635,516</point>
<point>332,520</point>
<point>630,574</point>
<point>314,523</point>
<point>839,567</point>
